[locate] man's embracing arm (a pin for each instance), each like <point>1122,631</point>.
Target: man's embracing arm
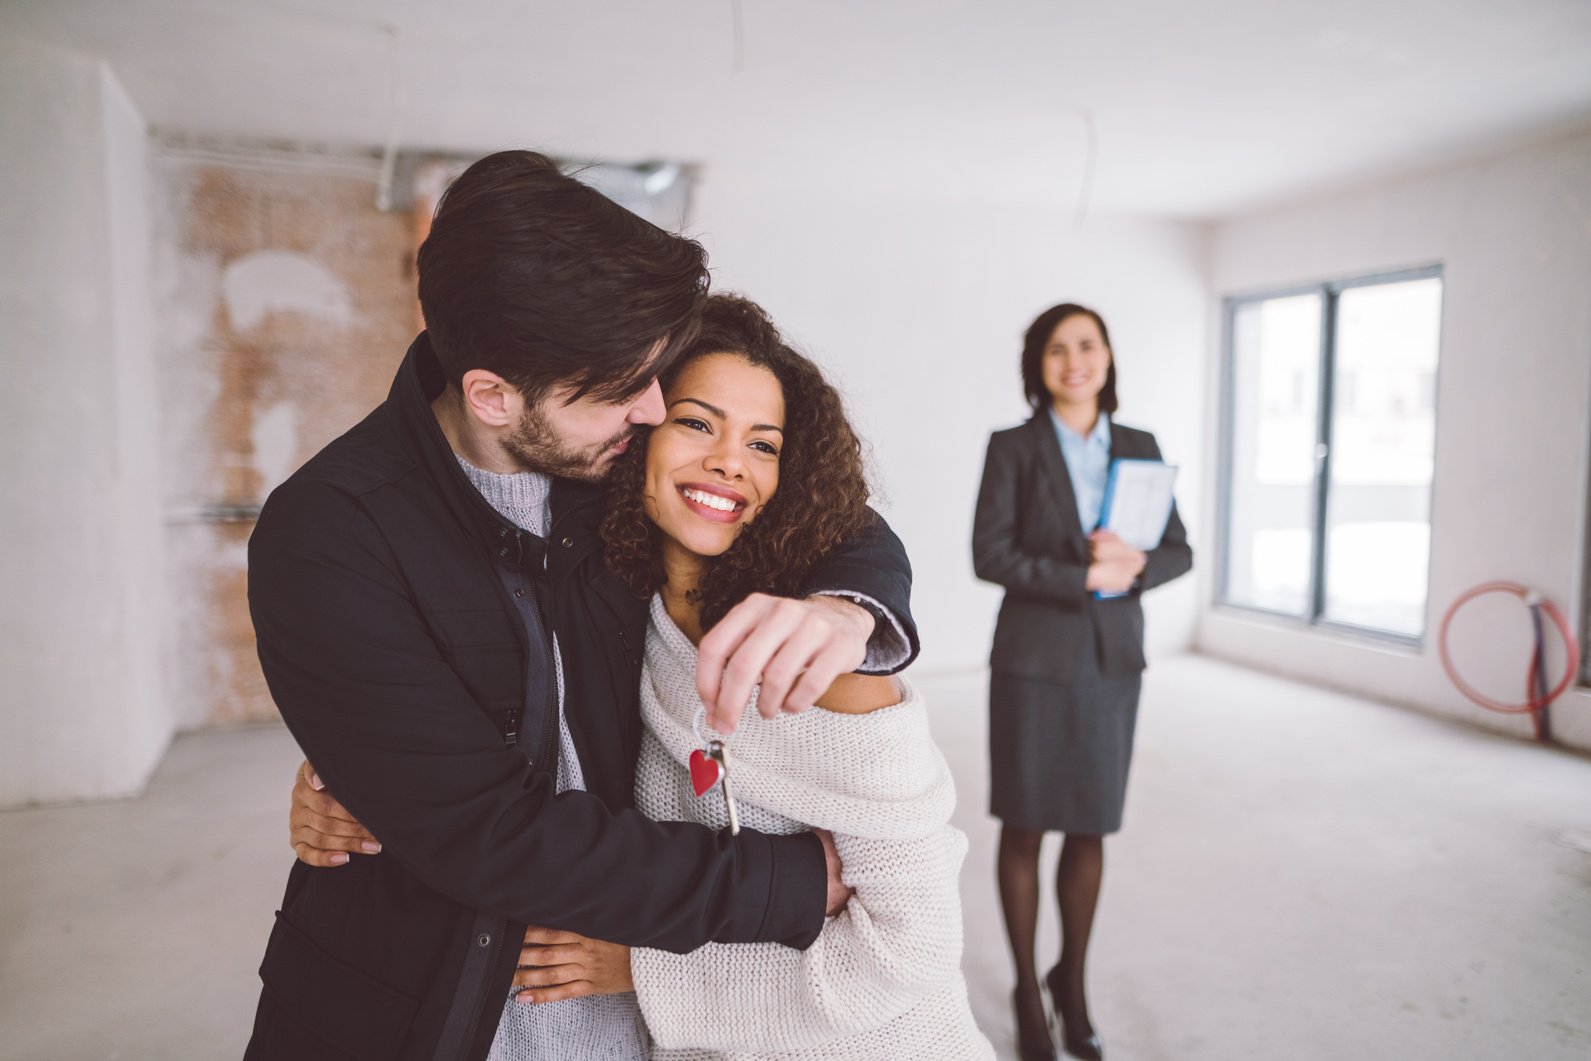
<point>368,694</point>
<point>875,568</point>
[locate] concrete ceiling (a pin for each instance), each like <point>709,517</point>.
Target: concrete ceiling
<point>1173,108</point>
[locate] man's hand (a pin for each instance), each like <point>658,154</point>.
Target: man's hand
<point>795,648</point>
<point>839,892</point>
<point>321,830</point>
<point>557,965</point>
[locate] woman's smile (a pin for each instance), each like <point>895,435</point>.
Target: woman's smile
<point>716,503</point>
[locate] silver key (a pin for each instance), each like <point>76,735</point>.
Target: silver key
<point>720,755</point>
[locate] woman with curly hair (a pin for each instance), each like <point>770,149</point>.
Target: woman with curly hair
<point>754,476</point>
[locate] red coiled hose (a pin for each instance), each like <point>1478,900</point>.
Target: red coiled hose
<point>1537,698</point>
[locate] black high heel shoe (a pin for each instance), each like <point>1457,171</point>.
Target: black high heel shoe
<point>1080,1042</point>
<point>1032,1043</point>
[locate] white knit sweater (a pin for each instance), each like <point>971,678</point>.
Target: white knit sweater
<point>883,980</point>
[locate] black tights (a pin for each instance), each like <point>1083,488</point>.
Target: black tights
<point>1077,892</point>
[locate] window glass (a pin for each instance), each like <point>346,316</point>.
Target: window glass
<point>1275,398</point>
<point>1383,451</point>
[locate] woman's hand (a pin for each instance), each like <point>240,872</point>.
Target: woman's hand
<point>1115,564</point>
<point>794,648</point>
<point>1111,578</point>
<point>321,830</point>
<point>557,965</point>
<point>1105,547</point>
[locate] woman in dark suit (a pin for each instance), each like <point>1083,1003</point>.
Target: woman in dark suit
<point>1065,667</point>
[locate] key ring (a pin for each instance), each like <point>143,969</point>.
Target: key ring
<point>709,767</point>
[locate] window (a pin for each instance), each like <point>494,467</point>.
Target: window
<point>1328,451</point>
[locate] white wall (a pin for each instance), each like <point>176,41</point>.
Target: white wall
<point>82,620</point>
<point>917,309</point>
<point>1513,235</point>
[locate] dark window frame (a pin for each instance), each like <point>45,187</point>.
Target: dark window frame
<point>1315,619</point>
<point>1583,679</point>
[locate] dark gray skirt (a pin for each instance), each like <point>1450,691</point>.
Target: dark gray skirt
<point>1059,753</point>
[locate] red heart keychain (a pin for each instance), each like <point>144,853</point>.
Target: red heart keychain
<point>705,771</point>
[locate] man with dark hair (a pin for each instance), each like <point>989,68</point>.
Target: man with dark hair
<point>442,637</point>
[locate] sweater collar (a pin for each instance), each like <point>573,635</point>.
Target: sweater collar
<point>877,775</point>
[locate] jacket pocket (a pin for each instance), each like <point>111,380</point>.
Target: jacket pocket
<point>344,1006</point>
<point>1119,626</point>
<point>481,647</point>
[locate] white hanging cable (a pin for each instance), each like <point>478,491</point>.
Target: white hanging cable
<point>398,105</point>
<point>1085,192</point>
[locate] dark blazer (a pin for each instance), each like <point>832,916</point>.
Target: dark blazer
<point>399,660</point>
<point>1027,537</point>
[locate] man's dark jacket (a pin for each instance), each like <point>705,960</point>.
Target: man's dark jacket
<point>399,661</point>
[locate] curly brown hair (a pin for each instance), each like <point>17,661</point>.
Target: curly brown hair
<point>822,495</point>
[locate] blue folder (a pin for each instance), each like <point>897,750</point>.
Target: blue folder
<point>1155,505</point>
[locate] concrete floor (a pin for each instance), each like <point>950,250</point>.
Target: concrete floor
<point>1303,875</point>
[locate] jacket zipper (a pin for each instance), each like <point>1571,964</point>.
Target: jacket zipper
<point>552,739</point>
<point>548,765</point>
<point>511,738</point>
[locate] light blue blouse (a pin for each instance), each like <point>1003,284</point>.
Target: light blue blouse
<point>1088,463</point>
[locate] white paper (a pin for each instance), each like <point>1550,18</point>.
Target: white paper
<point>1139,502</point>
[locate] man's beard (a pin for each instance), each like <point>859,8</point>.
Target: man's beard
<point>536,446</point>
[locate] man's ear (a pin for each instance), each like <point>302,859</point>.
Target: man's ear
<point>491,399</point>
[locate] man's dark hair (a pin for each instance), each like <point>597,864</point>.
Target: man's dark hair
<point>534,276</point>
<point>1038,337</point>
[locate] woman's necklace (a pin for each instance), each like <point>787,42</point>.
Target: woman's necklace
<point>710,767</point>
